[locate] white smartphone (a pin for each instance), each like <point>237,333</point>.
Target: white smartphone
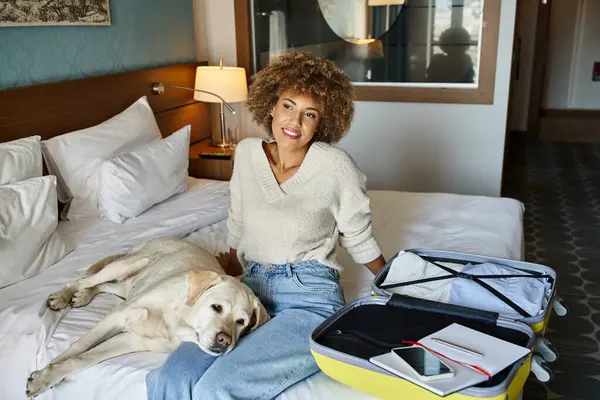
<point>424,363</point>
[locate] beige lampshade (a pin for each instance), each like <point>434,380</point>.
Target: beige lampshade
<point>373,3</point>
<point>227,82</point>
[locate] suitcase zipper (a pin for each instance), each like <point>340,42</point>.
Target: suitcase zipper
<point>372,341</point>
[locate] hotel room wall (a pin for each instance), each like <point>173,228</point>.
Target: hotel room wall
<point>453,148</point>
<point>143,34</point>
<point>573,48</point>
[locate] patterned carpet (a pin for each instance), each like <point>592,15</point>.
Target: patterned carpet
<point>559,183</point>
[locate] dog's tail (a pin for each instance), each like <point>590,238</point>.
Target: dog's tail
<point>104,262</point>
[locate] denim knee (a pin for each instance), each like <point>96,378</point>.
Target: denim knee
<point>152,381</point>
<point>217,384</point>
<point>212,389</point>
<point>176,378</point>
<point>171,381</point>
<point>226,382</point>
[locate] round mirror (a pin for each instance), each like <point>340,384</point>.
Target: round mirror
<point>360,21</point>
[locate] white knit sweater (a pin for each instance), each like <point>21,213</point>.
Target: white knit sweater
<point>302,219</point>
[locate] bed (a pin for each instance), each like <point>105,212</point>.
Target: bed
<point>31,335</point>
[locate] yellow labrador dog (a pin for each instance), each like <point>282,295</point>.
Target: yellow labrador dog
<point>174,291</point>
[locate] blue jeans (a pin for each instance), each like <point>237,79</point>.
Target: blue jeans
<point>263,364</point>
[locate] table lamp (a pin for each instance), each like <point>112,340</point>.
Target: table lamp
<point>214,84</point>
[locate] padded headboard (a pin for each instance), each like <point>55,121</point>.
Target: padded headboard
<point>52,109</point>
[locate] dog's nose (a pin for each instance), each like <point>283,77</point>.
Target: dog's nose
<point>223,339</point>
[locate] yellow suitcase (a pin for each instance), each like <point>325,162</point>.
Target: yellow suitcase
<point>343,344</point>
<point>544,351</point>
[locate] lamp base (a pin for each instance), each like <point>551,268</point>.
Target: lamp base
<point>220,145</point>
<point>223,141</point>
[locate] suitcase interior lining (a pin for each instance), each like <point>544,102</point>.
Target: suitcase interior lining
<point>355,334</point>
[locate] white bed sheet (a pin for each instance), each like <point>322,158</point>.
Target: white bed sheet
<point>26,325</point>
<point>490,226</point>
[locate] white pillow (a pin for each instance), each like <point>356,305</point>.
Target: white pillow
<point>20,159</point>
<point>29,242</point>
<point>76,157</point>
<point>131,183</point>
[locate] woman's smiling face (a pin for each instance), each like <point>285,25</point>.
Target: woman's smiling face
<point>296,118</point>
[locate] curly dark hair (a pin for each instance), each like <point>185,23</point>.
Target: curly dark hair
<point>303,73</point>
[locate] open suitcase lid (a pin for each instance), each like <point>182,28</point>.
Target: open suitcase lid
<point>435,256</point>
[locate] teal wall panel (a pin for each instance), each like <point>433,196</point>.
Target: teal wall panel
<point>143,34</point>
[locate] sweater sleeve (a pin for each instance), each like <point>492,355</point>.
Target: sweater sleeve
<point>353,216</point>
<point>234,220</point>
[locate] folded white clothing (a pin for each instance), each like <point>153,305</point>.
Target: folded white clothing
<point>528,293</point>
<point>408,267</point>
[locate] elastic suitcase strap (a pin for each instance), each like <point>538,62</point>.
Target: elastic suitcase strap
<point>490,288</point>
<point>475,278</point>
<point>531,274</point>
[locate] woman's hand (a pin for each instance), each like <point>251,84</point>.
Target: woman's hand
<point>223,259</point>
<point>376,265</point>
<point>230,263</point>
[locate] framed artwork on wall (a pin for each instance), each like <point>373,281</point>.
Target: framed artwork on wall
<point>15,13</point>
<point>438,51</point>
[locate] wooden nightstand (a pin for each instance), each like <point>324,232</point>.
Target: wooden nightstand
<point>210,162</point>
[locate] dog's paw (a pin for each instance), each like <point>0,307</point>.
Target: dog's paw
<point>59,300</point>
<point>82,298</point>
<point>38,382</point>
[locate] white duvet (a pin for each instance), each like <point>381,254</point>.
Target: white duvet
<point>31,335</point>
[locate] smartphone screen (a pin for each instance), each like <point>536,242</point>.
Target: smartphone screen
<point>422,361</point>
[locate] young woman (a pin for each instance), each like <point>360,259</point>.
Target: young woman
<point>294,197</point>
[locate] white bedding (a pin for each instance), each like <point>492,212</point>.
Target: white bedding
<point>26,325</point>
<point>30,335</point>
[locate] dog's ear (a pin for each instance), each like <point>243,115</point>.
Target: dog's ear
<point>259,316</point>
<point>199,281</point>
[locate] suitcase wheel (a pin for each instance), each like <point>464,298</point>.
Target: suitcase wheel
<point>559,308</point>
<point>541,369</point>
<point>545,349</point>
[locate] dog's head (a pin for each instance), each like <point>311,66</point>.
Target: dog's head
<point>222,309</point>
